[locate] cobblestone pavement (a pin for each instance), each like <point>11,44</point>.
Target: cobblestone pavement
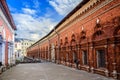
<point>48,71</point>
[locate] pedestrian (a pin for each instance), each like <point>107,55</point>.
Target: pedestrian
<point>76,61</point>
<point>0,64</point>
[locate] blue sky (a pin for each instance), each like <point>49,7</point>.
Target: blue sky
<point>35,18</point>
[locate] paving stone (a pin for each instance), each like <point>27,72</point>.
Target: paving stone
<point>48,71</point>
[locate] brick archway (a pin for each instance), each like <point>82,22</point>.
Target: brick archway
<point>98,35</point>
<point>117,31</point>
<point>66,49</point>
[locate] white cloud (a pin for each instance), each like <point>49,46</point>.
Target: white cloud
<point>36,3</point>
<point>28,11</point>
<point>35,36</point>
<point>31,27</point>
<point>63,7</point>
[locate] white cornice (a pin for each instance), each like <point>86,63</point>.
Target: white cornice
<point>62,28</point>
<point>6,21</point>
<point>87,6</point>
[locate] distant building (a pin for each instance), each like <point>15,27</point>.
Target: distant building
<point>7,28</point>
<point>20,47</point>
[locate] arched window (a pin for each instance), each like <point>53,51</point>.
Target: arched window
<point>98,35</point>
<point>73,38</point>
<point>83,35</point>
<point>117,31</point>
<point>66,40</point>
<point>61,42</point>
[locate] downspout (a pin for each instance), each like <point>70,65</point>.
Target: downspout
<point>38,51</point>
<point>48,49</point>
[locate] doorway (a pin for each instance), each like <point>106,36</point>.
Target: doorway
<point>118,60</point>
<point>74,57</point>
<point>0,54</point>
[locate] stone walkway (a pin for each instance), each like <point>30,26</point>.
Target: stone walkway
<point>48,71</point>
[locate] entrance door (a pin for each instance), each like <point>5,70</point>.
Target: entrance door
<point>74,57</point>
<point>118,60</point>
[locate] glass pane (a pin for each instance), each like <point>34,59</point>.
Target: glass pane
<point>85,57</point>
<point>101,58</point>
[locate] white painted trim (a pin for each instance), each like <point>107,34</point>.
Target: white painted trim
<point>6,21</point>
<point>63,27</point>
<point>3,53</point>
<point>0,52</point>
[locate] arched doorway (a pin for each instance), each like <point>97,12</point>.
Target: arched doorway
<point>74,56</point>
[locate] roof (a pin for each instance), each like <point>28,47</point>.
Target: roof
<point>6,11</point>
<point>66,17</point>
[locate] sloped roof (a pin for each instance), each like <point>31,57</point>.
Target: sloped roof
<point>6,12</point>
<point>66,17</point>
<point>83,2</point>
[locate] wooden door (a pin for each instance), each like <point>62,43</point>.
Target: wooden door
<point>118,60</point>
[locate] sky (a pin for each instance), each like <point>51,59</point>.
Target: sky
<point>35,18</point>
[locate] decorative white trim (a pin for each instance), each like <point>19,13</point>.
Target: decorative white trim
<point>115,74</point>
<point>107,72</point>
<point>0,52</point>
<point>84,16</point>
<point>92,69</point>
<point>105,46</point>
<point>62,27</point>
<point>6,21</point>
<point>82,28</point>
<point>98,21</point>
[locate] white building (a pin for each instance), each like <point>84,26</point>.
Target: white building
<point>20,47</point>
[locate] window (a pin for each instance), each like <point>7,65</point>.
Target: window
<point>15,45</point>
<point>84,56</point>
<point>101,58</point>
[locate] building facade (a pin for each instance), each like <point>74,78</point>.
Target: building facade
<point>7,28</point>
<point>20,47</point>
<point>18,50</point>
<point>88,36</point>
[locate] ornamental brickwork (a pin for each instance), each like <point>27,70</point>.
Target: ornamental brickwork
<point>87,38</point>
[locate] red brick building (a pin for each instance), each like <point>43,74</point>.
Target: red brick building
<point>89,35</point>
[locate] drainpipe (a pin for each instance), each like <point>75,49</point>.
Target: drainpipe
<point>58,45</point>
<point>38,51</point>
<point>48,49</point>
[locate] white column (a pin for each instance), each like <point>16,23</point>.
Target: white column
<point>13,48</point>
<point>9,61</point>
<point>0,52</point>
<point>12,54</point>
<point>3,52</point>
